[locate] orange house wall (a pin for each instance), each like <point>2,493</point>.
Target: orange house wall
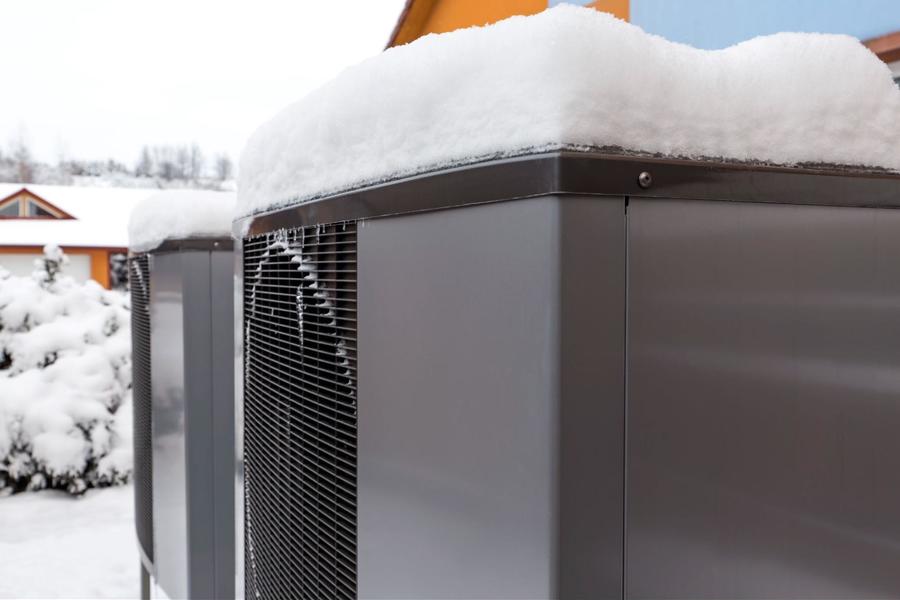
<point>617,8</point>
<point>456,14</point>
<point>441,16</point>
<point>99,258</point>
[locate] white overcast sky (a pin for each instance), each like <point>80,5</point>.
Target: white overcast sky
<point>100,78</point>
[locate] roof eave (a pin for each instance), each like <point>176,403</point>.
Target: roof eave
<point>409,24</point>
<point>885,47</point>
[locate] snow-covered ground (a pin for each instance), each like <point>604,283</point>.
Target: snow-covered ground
<point>55,546</point>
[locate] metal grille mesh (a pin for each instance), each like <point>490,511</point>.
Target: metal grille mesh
<point>139,276</point>
<point>300,413</point>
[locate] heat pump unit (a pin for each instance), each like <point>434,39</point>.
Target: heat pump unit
<point>182,315</point>
<point>573,375</point>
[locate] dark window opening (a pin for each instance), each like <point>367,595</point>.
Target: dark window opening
<point>33,209</point>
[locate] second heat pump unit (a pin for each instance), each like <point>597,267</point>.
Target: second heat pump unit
<point>181,289</point>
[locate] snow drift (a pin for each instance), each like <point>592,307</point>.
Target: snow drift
<point>575,78</point>
<point>65,381</point>
<point>180,214</point>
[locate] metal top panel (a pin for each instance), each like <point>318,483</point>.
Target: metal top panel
<point>585,173</point>
<point>198,243</point>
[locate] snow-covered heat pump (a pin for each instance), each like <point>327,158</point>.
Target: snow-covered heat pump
<point>180,273</point>
<point>503,339</point>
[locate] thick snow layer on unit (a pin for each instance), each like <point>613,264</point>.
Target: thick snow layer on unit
<point>180,214</point>
<point>576,78</point>
<point>56,546</point>
<point>65,381</point>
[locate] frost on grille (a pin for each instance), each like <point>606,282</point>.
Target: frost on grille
<point>300,413</point>
<point>139,277</point>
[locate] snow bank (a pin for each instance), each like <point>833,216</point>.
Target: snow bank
<point>575,78</point>
<point>180,214</point>
<point>65,381</point>
<point>54,546</point>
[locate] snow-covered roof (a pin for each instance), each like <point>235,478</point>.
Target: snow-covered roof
<point>575,78</point>
<point>100,216</point>
<point>180,214</point>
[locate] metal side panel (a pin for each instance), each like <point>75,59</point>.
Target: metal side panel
<point>199,455</point>
<point>764,401</point>
<point>194,425</point>
<point>209,422</point>
<point>223,464</point>
<point>591,416</point>
<point>169,452</point>
<point>464,326</point>
<point>237,361</point>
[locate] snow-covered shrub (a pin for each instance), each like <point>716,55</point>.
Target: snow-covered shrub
<point>65,381</point>
<point>49,267</point>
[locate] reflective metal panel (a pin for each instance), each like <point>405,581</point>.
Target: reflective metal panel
<point>491,392</point>
<point>221,312</point>
<point>237,268</point>
<point>457,404</point>
<point>169,453</point>
<point>193,422</point>
<point>764,401</point>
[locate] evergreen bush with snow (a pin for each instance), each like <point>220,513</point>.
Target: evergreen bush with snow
<point>65,381</point>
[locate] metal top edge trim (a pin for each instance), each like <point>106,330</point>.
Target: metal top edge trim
<point>588,174</point>
<point>179,245</point>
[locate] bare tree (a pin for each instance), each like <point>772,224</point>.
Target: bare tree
<point>21,155</point>
<point>6,172</point>
<point>223,167</point>
<point>196,161</point>
<point>182,162</point>
<point>144,167</point>
<point>164,160</point>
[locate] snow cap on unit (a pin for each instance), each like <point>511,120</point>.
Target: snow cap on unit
<point>180,214</point>
<point>572,77</point>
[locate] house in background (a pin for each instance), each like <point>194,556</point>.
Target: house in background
<point>89,224</point>
<point>708,24</point>
<point>887,47</point>
<point>421,17</point>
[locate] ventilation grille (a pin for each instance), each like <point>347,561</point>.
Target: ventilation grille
<point>300,413</point>
<point>139,277</point>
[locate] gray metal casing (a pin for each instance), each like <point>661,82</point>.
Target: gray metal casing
<point>491,361</point>
<point>191,315</point>
<point>763,401</point>
<point>571,387</point>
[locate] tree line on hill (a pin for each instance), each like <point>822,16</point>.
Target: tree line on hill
<point>182,165</point>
